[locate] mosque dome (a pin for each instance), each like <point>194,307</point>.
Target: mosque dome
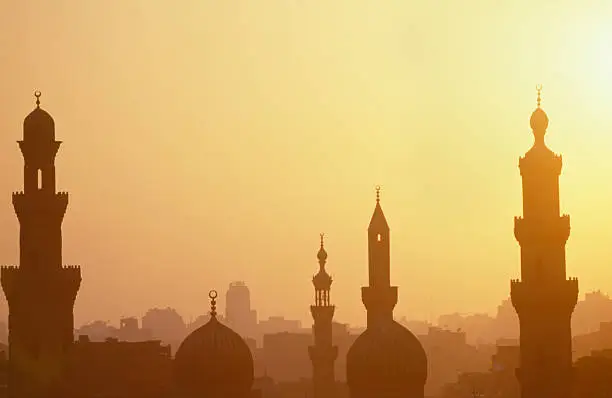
<point>214,361</point>
<point>386,359</point>
<point>38,125</point>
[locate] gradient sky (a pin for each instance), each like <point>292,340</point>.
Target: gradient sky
<point>211,141</point>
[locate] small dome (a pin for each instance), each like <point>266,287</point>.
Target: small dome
<point>539,120</point>
<point>214,361</point>
<point>386,358</point>
<point>38,125</point>
<point>322,254</point>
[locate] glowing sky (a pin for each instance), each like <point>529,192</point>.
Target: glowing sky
<point>211,141</point>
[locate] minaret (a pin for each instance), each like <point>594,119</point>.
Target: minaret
<point>544,298</point>
<point>40,291</point>
<point>379,297</point>
<point>323,353</point>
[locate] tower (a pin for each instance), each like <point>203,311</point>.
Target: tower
<point>544,298</point>
<point>386,360</point>
<point>323,353</point>
<point>40,292</point>
<point>238,313</point>
<point>379,297</point>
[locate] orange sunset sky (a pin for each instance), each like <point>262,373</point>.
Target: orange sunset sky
<point>212,141</point>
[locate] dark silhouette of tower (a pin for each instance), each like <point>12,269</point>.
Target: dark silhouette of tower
<point>40,291</point>
<point>386,360</point>
<point>379,297</point>
<point>544,298</point>
<point>323,353</point>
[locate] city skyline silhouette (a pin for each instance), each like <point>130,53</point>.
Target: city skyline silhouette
<point>303,110</point>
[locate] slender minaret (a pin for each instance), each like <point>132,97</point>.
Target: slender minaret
<point>379,298</point>
<point>40,291</point>
<point>544,298</point>
<point>323,353</point>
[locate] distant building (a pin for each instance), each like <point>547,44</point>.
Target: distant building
<point>238,313</point>
<point>281,349</point>
<point>118,369</point>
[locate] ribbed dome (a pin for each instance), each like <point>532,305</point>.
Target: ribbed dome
<point>214,361</point>
<point>386,358</point>
<point>39,125</point>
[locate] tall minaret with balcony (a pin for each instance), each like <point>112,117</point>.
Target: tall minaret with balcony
<point>40,291</point>
<point>323,353</point>
<point>544,298</point>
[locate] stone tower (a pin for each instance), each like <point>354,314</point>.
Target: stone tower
<point>544,298</point>
<point>386,360</point>
<point>379,298</point>
<point>40,291</point>
<point>323,353</point>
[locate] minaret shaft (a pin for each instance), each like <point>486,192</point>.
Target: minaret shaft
<point>544,298</point>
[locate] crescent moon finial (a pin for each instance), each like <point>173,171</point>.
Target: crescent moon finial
<point>37,94</point>
<point>213,303</point>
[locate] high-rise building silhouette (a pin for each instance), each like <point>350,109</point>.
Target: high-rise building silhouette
<point>544,298</point>
<point>238,313</point>
<point>323,353</point>
<point>40,291</point>
<point>386,360</point>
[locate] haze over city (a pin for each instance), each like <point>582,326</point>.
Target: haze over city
<point>207,142</point>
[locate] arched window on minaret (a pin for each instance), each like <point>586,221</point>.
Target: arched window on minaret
<point>40,179</point>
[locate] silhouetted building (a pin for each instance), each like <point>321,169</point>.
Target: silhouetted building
<point>323,353</point>
<point>40,291</point>
<point>282,349</point>
<point>119,369</point>
<point>238,313</point>
<point>386,360</point>
<point>213,361</point>
<point>544,298</point>
<point>449,355</point>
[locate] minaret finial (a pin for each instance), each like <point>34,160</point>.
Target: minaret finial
<point>213,303</point>
<point>378,193</point>
<point>539,90</point>
<point>322,235</point>
<point>37,94</point>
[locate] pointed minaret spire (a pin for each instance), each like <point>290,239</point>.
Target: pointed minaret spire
<point>539,90</point>
<point>378,220</point>
<point>213,303</point>
<point>379,268</point>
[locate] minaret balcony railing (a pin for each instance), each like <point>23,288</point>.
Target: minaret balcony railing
<point>555,230</point>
